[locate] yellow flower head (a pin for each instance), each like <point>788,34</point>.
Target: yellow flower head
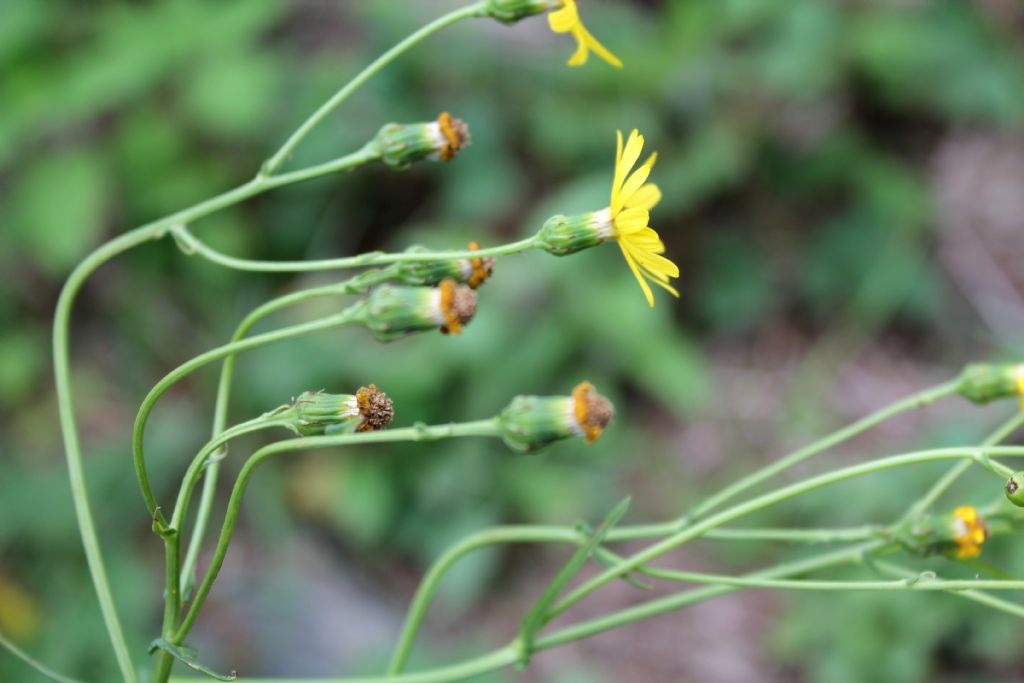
<point>629,214</point>
<point>971,532</point>
<point>567,20</point>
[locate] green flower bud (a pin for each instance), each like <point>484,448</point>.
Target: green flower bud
<point>564,235</point>
<point>984,382</point>
<point>531,422</point>
<point>393,312</point>
<point>316,413</point>
<point>511,11</point>
<point>400,144</point>
<point>1015,489</point>
<point>472,272</point>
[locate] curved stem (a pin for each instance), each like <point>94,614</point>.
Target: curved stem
<point>272,164</point>
<point>918,400</point>
<point>553,534</point>
<point>193,245</point>
<point>976,454</point>
<point>351,314</point>
<point>62,371</point>
<point>69,430</point>
<point>508,655</point>
<point>956,471</point>
<point>487,427</point>
<point>354,285</point>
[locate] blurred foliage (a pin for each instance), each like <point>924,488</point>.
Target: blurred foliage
<point>794,140</point>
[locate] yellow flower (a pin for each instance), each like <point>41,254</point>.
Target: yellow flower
<point>567,20</point>
<point>971,532</point>
<point>629,214</point>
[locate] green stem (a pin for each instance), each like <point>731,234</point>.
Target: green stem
<point>487,427</point>
<point>956,471</point>
<point>272,164</point>
<point>193,245</point>
<point>918,400</point>
<point>668,603</point>
<point>914,581</point>
<point>970,594</point>
<point>492,661</point>
<point>351,314</point>
<point>509,654</point>
<point>32,662</point>
<point>62,372</point>
<point>354,285</point>
<point>553,534</point>
<point>978,455</point>
<point>841,535</point>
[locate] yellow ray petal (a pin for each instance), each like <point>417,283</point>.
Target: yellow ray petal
<point>648,240</point>
<point>655,263</point>
<point>632,184</point>
<point>639,277</point>
<point>600,49</point>
<point>579,57</point>
<point>562,21</point>
<point>658,279</point>
<point>624,162</point>
<point>647,197</point>
<point>631,221</point>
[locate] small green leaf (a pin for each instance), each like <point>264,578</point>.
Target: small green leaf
<point>187,656</point>
<point>537,616</point>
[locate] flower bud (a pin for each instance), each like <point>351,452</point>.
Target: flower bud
<point>532,422</point>
<point>400,144</point>
<point>563,235</point>
<point>1015,489</point>
<point>511,11</point>
<point>985,382</point>
<point>317,413</point>
<point>393,312</point>
<point>472,272</point>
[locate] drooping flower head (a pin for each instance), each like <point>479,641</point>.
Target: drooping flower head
<point>567,20</point>
<point>563,17</point>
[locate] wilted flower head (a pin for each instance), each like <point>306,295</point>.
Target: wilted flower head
<point>400,144</point>
<point>393,311</point>
<point>472,272</point>
<point>317,413</point>
<point>532,422</point>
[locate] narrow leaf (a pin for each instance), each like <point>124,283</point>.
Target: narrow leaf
<point>537,615</point>
<point>187,656</point>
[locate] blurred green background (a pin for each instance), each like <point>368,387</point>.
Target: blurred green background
<point>842,188</point>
